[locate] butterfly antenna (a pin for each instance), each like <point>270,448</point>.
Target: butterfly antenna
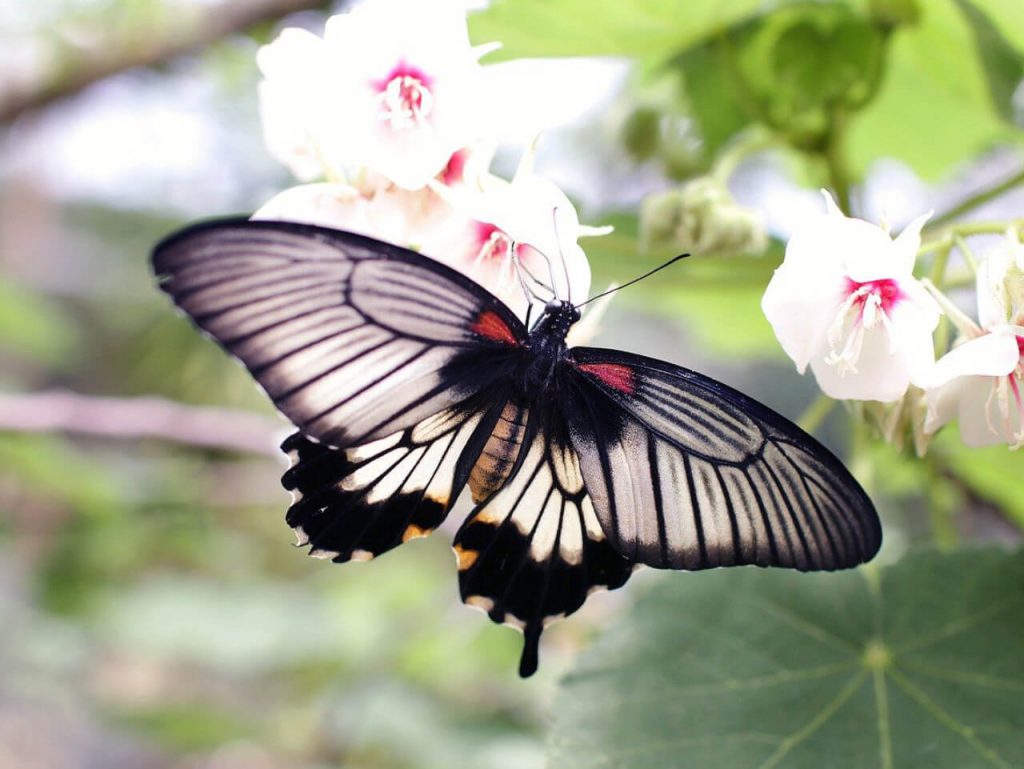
<point>647,274</point>
<point>561,255</point>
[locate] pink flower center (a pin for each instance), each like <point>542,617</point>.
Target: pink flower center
<point>1017,373</point>
<point>509,262</point>
<point>494,243</point>
<point>862,307</point>
<point>405,97</point>
<point>881,294</point>
<point>453,173</point>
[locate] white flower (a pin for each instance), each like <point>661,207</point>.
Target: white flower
<point>392,214</point>
<point>502,235</point>
<point>513,237</point>
<point>981,378</point>
<point>846,302</point>
<point>394,86</point>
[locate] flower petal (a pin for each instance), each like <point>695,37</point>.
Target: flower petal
<point>981,424</point>
<point>881,374</point>
<point>800,304</point>
<point>989,355</point>
<point>905,246</point>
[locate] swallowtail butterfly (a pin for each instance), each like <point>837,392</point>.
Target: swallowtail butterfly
<point>408,382</point>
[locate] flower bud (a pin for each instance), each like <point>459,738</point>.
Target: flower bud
<point>700,217</point>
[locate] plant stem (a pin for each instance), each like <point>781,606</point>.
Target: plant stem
<point>980,198</point>
<point>942,498</point>
<point>945,236</point>
<point>739,150</point>
<point>835,162</point>
<point>816,413</point>
<point>939,264</point>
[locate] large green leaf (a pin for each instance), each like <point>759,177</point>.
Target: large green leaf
<point>1003,65</point>
<point>936,105</point>
<point>916,666</point>
<point>654,29</point>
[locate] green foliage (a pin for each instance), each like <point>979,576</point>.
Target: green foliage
<point>189,726</point>
<point>992,473</point>
<point>915,665</point>
<point>716,299</point>
<point>656,29</point>
<point>887,74</point>
<point>936,85</point>
<point>35,328</point>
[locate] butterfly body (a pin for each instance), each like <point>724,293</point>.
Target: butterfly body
<point>408,383</point>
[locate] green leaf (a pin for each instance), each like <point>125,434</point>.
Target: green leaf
<point>1007,16</point>
<point>655,29</point>
<point>711,101</point>
<point>914,666</point>
<point>801,62</point>
<point>1004,66</point>
<point>34,327</point>
<point>935,106</point>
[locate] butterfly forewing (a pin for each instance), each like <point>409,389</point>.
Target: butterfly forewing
<point>687,473</point>
<point>353,339</point>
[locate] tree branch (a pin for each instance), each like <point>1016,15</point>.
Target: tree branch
<point>145,48</point>
<point>137,418</point>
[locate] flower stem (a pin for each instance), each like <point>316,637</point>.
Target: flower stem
<point>942,501</point>
<point>816,413</point>
<point>939,264</point>
<point>835,161</point>
<point>980,198</point>
<point>946,236</point>
<point>745,145</point>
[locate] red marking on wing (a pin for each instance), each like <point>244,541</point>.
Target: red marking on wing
<point>615,375</point>
<point>490,326</point>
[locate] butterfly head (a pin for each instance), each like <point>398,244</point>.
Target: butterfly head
<point>559,316</point>
<point>554,324</point>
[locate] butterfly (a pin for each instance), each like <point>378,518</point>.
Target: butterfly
<point>409,382</point>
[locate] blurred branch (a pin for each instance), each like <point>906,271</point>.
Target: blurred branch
<point>978,199</point>
<point>135,418</point>
<point>145,48</point>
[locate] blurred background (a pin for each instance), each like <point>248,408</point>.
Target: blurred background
<point>154,613</point>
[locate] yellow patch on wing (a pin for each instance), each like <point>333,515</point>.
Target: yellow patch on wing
<point>466,557</point>
<point>414,532</point>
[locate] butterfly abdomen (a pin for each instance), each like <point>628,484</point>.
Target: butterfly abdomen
<point>499,453</point>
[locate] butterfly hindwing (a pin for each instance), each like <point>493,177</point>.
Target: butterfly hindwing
<point>534,550</point>
<point>353,339</point>
<point>356,503</point>
<point>687,473</point>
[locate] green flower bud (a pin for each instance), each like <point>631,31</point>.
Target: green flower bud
<point>700,217</point>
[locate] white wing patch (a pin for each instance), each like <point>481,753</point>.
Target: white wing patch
<point>353,504</point>
<point>532,551</point>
